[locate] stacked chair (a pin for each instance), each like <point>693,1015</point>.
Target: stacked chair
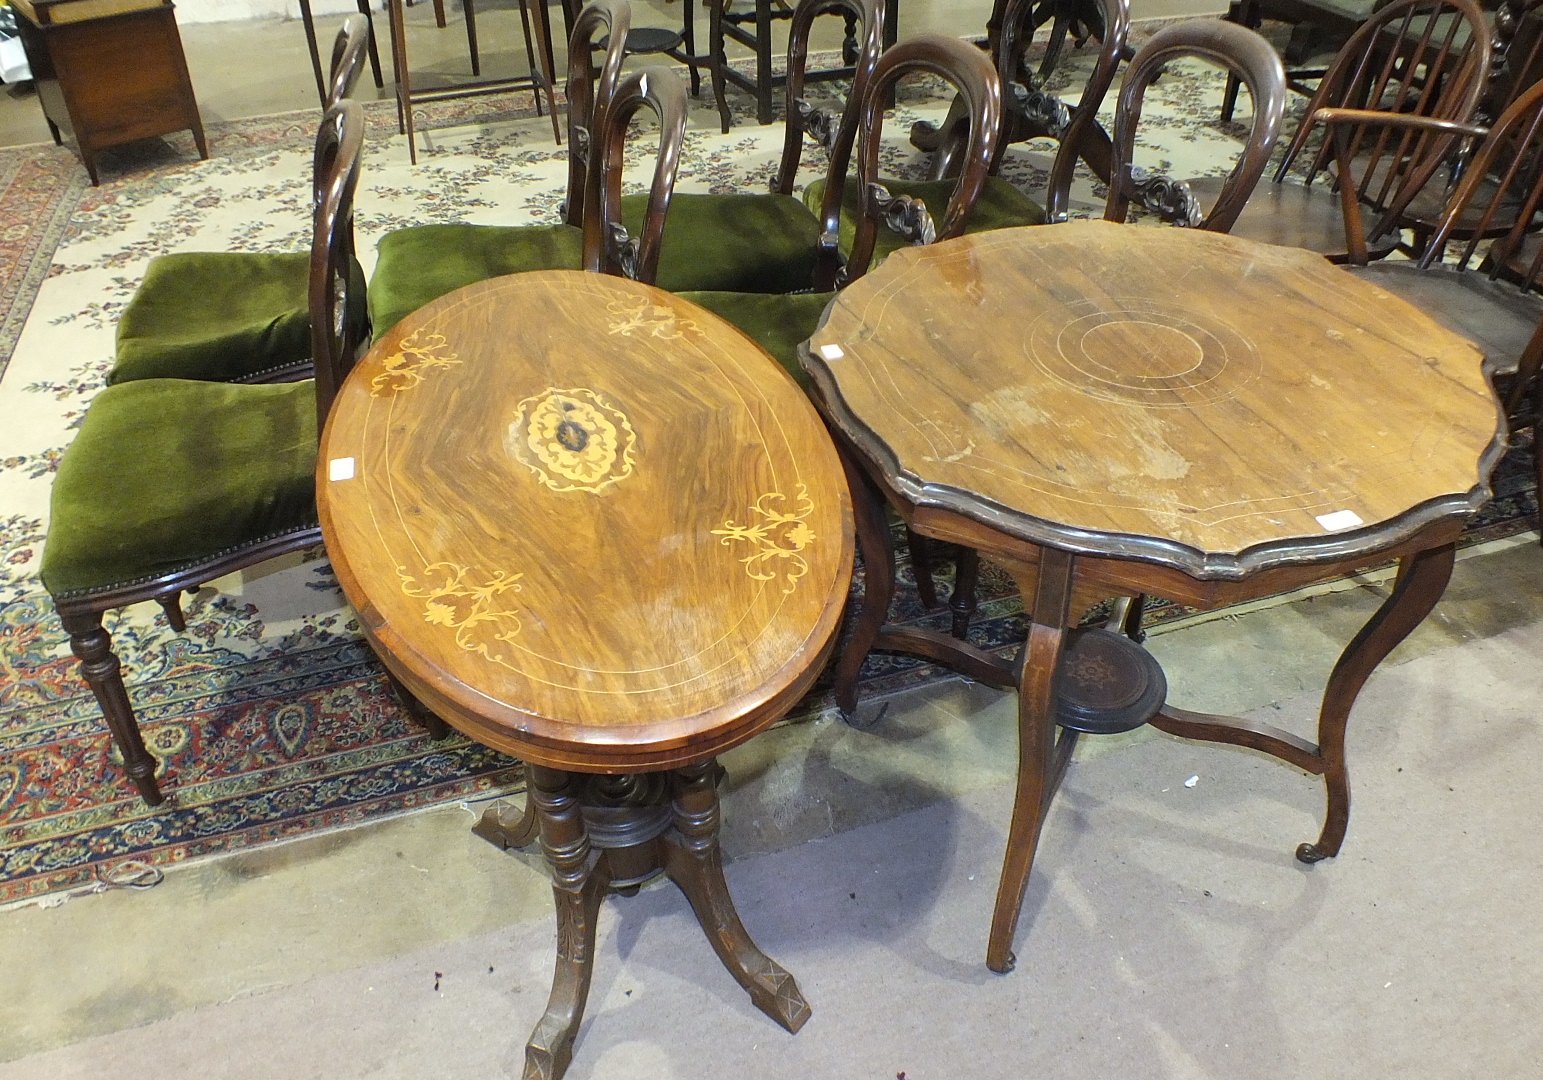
<point>1496,303</point>
<point>1416,57</point>
<point>173,482</point>
<point>236,316</point>
<point>182,476</point>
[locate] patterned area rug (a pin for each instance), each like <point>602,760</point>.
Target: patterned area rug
<point>269,716</point>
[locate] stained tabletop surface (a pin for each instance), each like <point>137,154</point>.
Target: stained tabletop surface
<point>596,521</point>
<point>1082,382</point>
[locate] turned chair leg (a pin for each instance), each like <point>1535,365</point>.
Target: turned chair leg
<point>716,61</point>
<point>962,601</point>
<point>920,549</point>
<point>99,666</point>
<point>171,604</point>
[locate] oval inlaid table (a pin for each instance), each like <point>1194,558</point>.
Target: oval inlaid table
<point>593,526</point>
<point>1112,410</point>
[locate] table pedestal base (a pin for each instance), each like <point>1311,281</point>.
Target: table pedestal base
<point>603,833</point>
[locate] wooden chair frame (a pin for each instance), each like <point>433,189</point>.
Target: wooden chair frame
<point>607,249</point>
<point>587,96</point>
<point>1227,45</point>
<point>335,346</point>
<point>1428,75</point>
<point>867,18</point>
<point>981,90</point>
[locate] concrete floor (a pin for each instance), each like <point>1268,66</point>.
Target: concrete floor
<point>229,85</point>
<point>246,924</point>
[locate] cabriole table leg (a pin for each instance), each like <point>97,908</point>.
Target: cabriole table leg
<point>1052,592</point>
<point>1422,578</point>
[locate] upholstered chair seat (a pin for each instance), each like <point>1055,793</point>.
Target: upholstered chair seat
<point>779,324</point>
<point>172,473</point>
<point>1000,206</point>
<point>237,316</point>
<point>742,243</point>
<point>425,262</point>
<point>224,316</point>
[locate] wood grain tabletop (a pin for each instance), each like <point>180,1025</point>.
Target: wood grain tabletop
<point>1173,395</point>
<point>587,522</point>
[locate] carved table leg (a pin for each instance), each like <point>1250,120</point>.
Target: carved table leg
<point>1037,765</point>
<point>878,551</point>
<point>99,666</point>
<point>1422,578</point>
<point>577,886</point>
<point>505,827</point>
<point>694,862</point>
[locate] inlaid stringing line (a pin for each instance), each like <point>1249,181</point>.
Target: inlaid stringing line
<point>485,296</point>
<point>896,400</point>
<point>975,461</point>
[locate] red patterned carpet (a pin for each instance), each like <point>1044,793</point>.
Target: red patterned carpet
<point>269,715</point>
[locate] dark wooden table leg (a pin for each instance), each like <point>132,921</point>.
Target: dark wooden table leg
<point>693,861</point>
<point>506,826</point>
<point>878,552</point>
<point>1037,768</point>
<point>1422,578</point>
<point>578,888</point>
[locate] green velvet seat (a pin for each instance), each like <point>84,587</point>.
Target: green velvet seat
<point>735,243</point>
<point>1000,206</point>
<point>166,473</point>
<point>779,324</point>
<point>425,262</point>
<point>222,316</point>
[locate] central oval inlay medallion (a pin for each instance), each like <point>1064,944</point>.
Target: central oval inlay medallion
<point>573,440</point>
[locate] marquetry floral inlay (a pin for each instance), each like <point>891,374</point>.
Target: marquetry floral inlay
<point>779,536</point>
<point>418,353</point>
<point>573,440</point>
<point>480,615</point>
<point>630,315</point>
